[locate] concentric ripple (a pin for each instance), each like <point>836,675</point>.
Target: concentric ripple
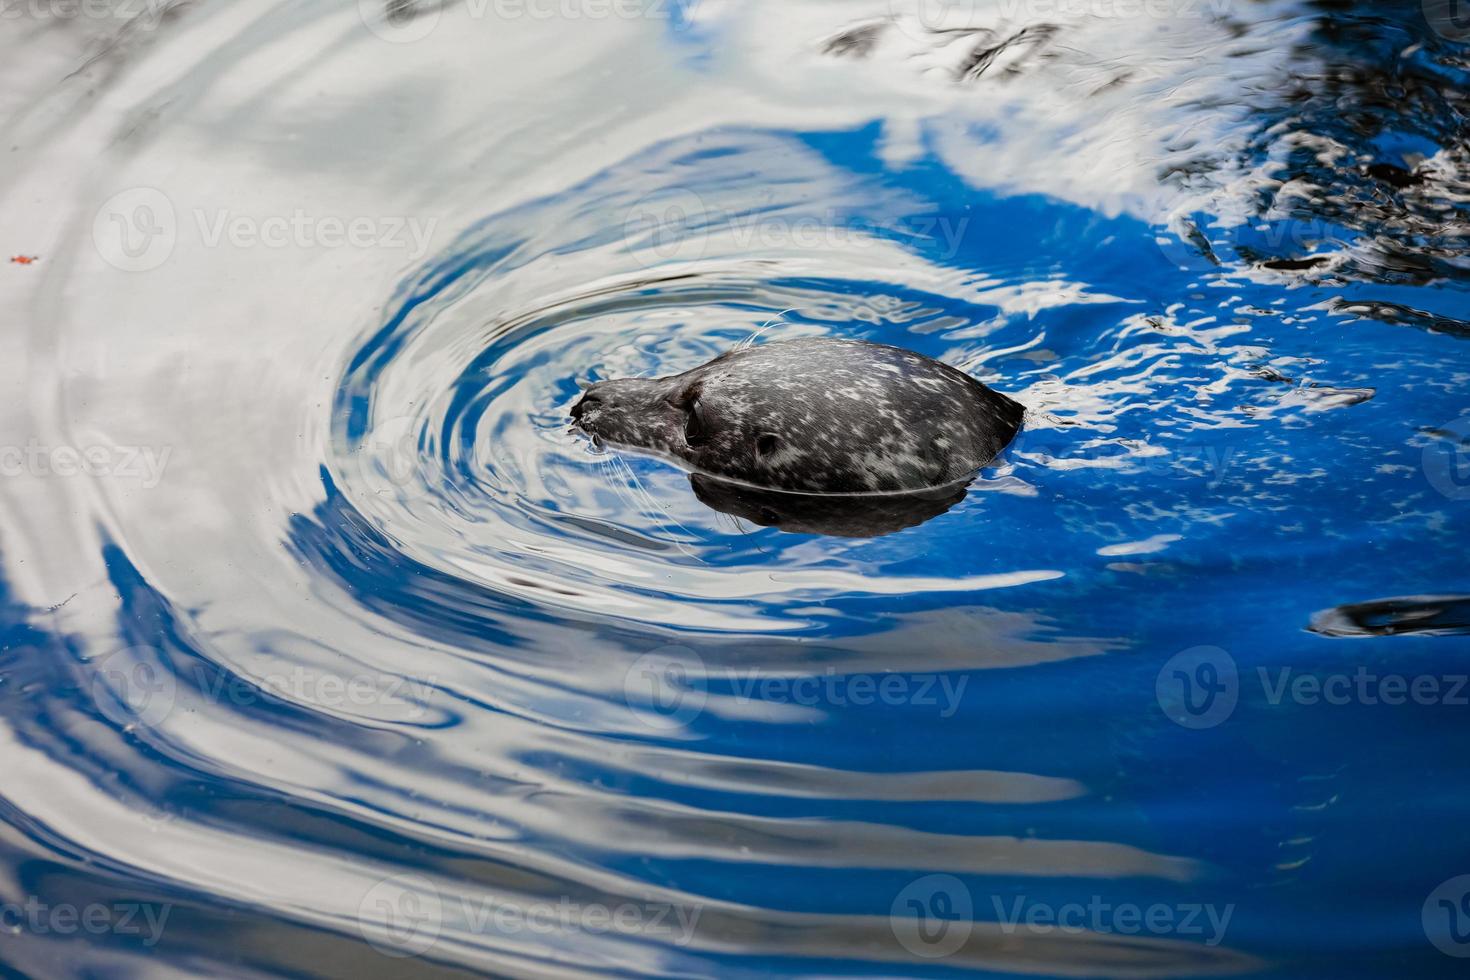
<point>452,430</point>
<point>383,671</point>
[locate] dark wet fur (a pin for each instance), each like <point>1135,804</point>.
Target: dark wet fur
<point>812,415</point>
<point>840,515</point>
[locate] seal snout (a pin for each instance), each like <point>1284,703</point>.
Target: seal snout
<point>588,402</point>
<point>623,410</point>
<point>600,398</point>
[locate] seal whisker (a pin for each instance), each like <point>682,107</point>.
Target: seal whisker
<point>623,479</point>
<point>631,489</point>
<point>750,341</point>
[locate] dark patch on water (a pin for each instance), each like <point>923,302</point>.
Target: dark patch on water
<point>1444,615</point>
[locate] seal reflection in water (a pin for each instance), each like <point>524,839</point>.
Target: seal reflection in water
<point>816,435</point>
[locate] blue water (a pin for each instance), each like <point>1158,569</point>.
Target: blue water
<point>368,687</point>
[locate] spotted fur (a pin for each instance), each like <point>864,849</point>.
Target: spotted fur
<point>812,415</point>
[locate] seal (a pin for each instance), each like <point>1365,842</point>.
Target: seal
<point>843,515</point>
<point>814,415</point>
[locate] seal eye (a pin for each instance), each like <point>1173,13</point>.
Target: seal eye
<point>766,444</point>
<point>694,430</point>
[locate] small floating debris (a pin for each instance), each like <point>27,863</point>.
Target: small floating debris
<point>1296,265</point>
<point>24,259</point>
<point>1322,398</point>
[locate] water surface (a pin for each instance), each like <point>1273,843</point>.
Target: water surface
<point>328,650</point>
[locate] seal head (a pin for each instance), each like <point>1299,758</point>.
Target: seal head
<point>814,415</point>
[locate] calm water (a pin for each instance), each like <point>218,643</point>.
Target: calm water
<point>326,650</point>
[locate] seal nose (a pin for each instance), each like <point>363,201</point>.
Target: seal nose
<point>588,401</point>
